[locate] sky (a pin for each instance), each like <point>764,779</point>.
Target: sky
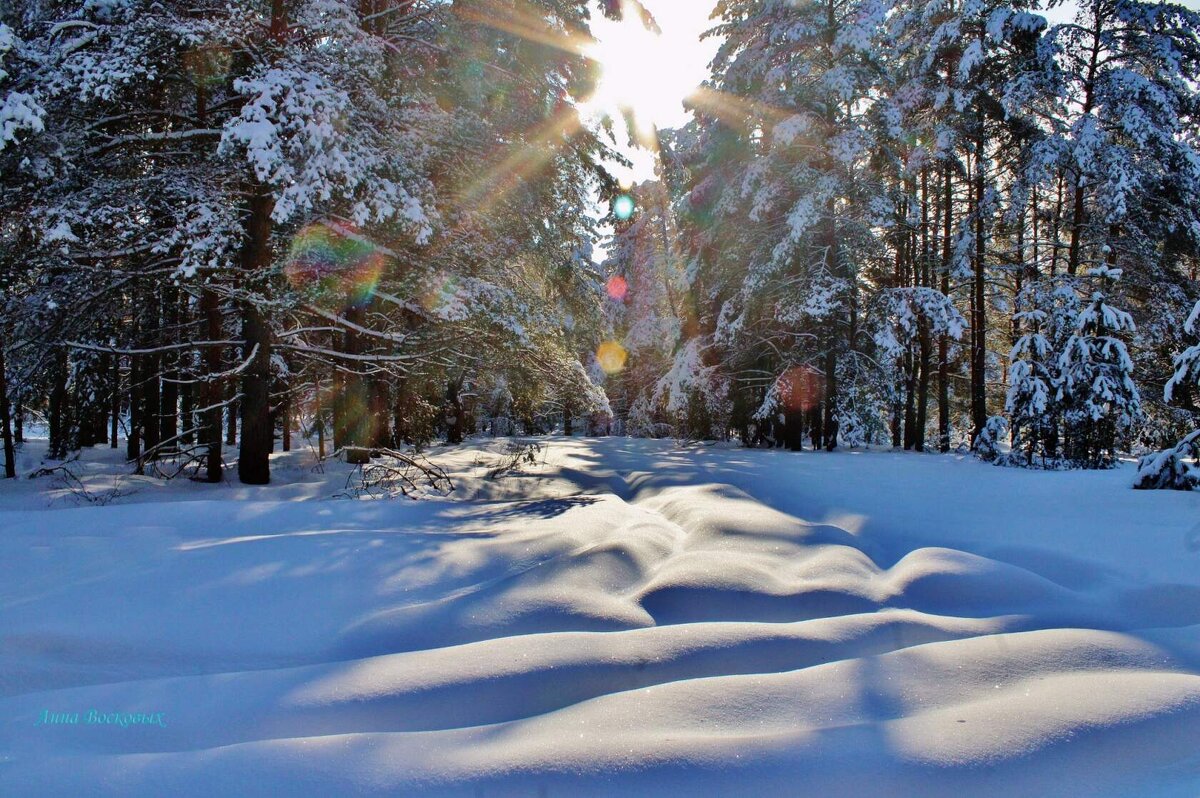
<point>654,74</point>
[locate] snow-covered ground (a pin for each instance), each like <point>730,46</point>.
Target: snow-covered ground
<point>625,617</point>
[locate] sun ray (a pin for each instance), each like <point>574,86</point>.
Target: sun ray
<point>522,20</point>
<point>525,161</point>
<point>735,111</point>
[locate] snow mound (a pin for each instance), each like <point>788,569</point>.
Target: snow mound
<point>654,620</point>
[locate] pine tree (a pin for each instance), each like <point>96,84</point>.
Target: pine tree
<point>1095,381</point>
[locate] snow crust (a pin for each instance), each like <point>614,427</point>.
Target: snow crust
<point>626,617</point>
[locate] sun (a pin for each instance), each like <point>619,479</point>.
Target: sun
<point>640,75</point>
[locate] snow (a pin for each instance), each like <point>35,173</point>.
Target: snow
<point>625,617</point>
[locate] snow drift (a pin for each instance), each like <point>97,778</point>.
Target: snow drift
<point>627,617</point>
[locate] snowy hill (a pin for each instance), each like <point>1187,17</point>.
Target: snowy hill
<point>623,617</point>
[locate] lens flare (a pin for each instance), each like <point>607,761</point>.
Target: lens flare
<point>799,389</point>
<point>623,207</point>
<point>441,296</point>
<point>611,356</point>
<point>617,288</point>
<point>332,265</point>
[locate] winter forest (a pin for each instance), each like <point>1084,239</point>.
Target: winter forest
<point>935,225</point>
<point>786,425</point>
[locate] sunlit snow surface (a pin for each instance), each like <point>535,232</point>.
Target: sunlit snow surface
<point>623,618</point>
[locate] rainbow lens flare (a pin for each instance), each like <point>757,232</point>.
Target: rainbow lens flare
<point>334,266</point>
<point>617,288</point>
<point>623,207</point>
<point>611,356</point>
<point>800,388</point>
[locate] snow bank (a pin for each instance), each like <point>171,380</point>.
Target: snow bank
<point>626,617</point>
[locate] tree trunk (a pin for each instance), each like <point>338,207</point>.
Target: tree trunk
<point>59,422</point>
<point>924,355</point>
<point>114,410</point>
<point>399,406</point>
<point>379,414</point>
<point>232,410</point>
<point>978,305</point>
<point>151,401</point>
<point>187,410</point>
<point>1079,211</point>
<point>833,265</point>
<point>454,411</point>
<point>133,441</point>
<point>910,401</point>
<point>944,339</point>
<point>285,414</point>
<point>354,416</point>
<point>168,413</point>
<point>211,393</point>
<point>258,437</point>
<point>10,455</point>
<point>793,430</point>
<point>814,426</point>
<point>830,432</point>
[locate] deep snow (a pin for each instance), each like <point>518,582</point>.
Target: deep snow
<point>625,617</point>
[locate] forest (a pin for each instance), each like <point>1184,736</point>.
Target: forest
<point>942,225</point>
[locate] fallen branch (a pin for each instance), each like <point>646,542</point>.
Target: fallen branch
<point>390,473</point>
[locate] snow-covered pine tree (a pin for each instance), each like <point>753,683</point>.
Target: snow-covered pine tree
<point>788,76</point>
<point>1178,468</point>
<point>1095,380</point>
<point>1030,403</point>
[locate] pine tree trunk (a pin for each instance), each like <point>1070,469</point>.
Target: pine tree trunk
<point>833,265</point>
<point>114,409</point>
<point>978,305</point>
<point>133,441</point>
<point>454,409</point>
<point>944,339</point>
<point>258,435</point>
<point>285,413</point>
<point>1079,211</point>
<point>814,426</point>
<point>211,393</point>
<point>793,430</point>
<point>60,424</point>
<point>379,414</point>
<point>924,353</point>
<point>232,411</point>
<point>10,455</point>
<point>399,406</point>
<point>910,401</point>
<point>151,410</point>
<point>168,413</point>
<point>354,416</point>
<point>830,432</point>
<point>187,412</point>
